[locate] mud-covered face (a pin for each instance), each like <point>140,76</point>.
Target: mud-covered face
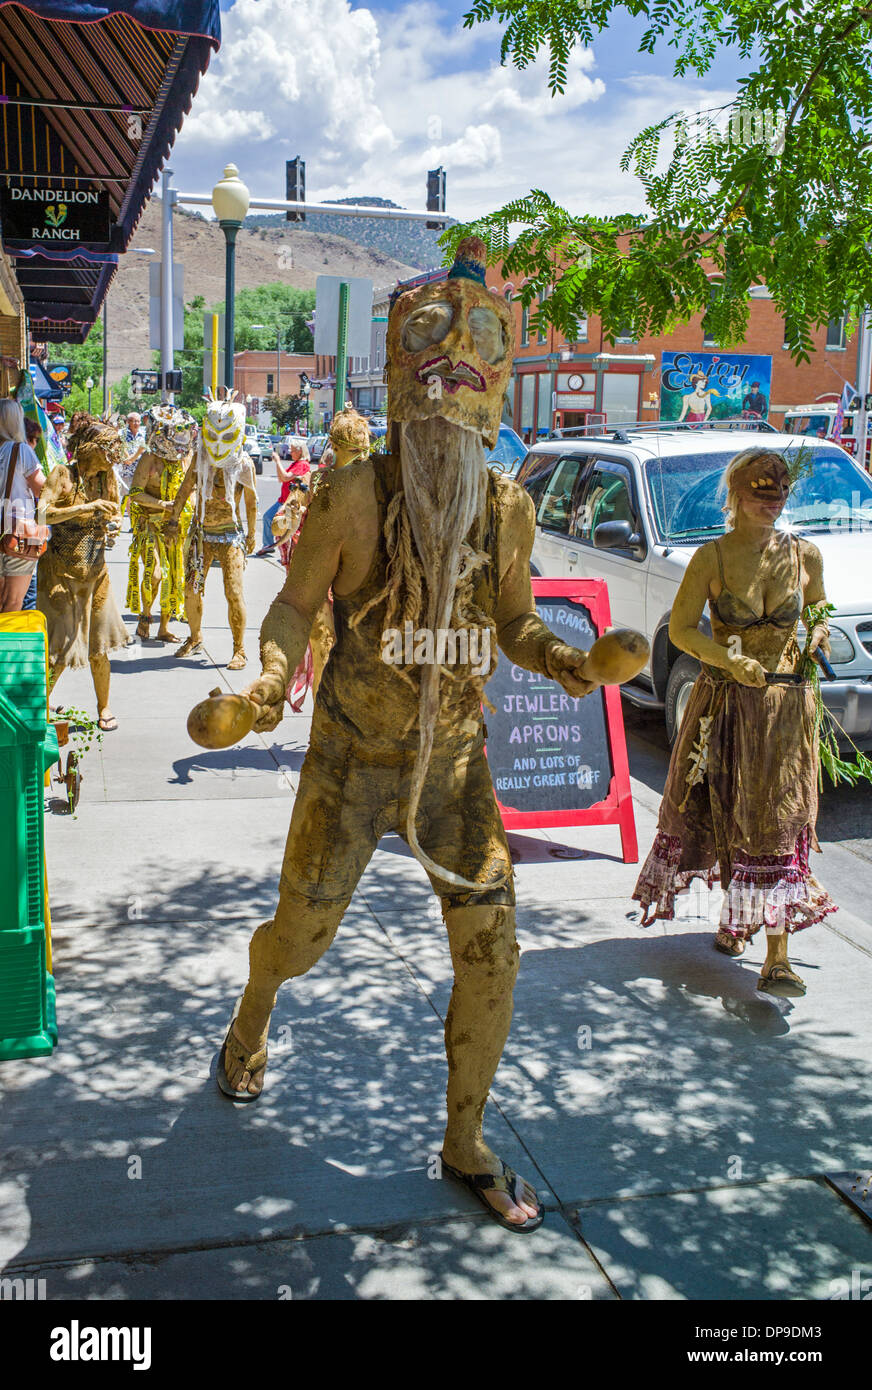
<point>449,352</point>
<point>223,431</point>
<point>762,486</point>
<point>169,431</point>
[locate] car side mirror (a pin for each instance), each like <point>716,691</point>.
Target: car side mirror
<point>617,535</point>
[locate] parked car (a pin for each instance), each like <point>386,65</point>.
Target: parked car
<point>631,505</point>
<point>317,444</point>
<point>509,450</point>
<point>251,446</point>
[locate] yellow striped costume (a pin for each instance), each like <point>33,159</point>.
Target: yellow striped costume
<point>148,542</point>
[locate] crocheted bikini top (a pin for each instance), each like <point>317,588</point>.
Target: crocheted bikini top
<point>728,607</point>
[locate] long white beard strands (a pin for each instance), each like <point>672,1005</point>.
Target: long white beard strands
<point>444,472</point>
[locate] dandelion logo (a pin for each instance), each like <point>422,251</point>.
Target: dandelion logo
<point>56,214</point>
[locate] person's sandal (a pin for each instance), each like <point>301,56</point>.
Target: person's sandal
<point>508,1182</point>
<point>728,944</point>
<point>253,1062</point>
<point>782,982</point>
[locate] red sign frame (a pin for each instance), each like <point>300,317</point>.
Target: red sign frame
<point>616,807</point>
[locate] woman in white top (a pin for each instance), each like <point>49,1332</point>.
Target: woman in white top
<point>27,484</point>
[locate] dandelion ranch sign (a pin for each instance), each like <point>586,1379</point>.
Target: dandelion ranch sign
<point>54,216</point>
<point>557,760</point>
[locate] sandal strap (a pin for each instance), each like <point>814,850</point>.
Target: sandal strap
<point>252,1061</point>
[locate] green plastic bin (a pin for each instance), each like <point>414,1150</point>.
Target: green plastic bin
<point>28,747</point>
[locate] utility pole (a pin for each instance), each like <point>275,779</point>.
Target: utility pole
<point>168,196</point>
<point>341,350</point>
<point>864,370</point>
<point>105,354</point>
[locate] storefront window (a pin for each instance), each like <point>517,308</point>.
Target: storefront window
<point>546,387</point>
<point>528,389</point>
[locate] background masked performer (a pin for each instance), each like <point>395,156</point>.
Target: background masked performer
<point>423,535</point>
<point>73,589</point>
<point>159,474</point>
<point>216,532</point>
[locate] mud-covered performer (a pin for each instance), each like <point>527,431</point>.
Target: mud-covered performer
<point>81,505</point>
<point>424,534</point>
<point>216,533</point>
<point>740,801</point>
<point>169,433</point>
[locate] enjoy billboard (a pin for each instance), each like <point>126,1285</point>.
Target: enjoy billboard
<point>697,386</point>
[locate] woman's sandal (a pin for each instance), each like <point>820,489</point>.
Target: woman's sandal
<point>728,944</point>
<point>783,982</point>
<point>253,1062</point>
<point>508,1182</point>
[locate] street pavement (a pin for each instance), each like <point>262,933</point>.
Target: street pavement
<point>677,1124</point>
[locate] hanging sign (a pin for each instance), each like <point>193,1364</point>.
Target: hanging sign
<point>54,216</point>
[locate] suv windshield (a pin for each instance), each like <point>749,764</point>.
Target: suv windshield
<point>688,496</point>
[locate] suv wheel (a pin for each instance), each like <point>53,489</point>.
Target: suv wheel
<point>678,688</point>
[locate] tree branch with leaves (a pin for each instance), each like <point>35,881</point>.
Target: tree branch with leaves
<point>773,189</point>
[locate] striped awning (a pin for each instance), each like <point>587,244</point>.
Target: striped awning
<point>95,104</point>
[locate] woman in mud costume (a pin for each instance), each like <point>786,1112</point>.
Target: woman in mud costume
<point>740,802</point>
<point>82,507</point>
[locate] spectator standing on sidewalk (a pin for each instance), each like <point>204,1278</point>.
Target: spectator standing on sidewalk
<point>27,484</point>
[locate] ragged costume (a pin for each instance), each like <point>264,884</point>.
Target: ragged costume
<point>222,473</point>
<point>73,588</point>
<point>740,802</point>
<point>159,474</point>
<point>424,535</point>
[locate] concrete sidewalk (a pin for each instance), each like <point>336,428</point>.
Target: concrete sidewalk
<point>676,1122</point>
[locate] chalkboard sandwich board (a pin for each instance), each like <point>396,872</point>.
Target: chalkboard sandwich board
<point>555,759</point>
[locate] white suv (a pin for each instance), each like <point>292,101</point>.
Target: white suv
<point>630,505</point>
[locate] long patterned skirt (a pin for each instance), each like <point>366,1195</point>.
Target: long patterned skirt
<point>739,807</point>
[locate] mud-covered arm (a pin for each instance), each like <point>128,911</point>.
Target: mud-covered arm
<point>521,633</point>
<point>691,599</point>
<point>52,510</point>
<point>313,568</point>
<point>183,493</point>
<point>250,494</point>
<point>137,489</point>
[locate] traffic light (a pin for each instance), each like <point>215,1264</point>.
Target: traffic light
<point>174,380</point>
<point>295,185</point>
<point>435,194</point>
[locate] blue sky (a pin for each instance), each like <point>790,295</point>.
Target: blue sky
<point>373,96</point>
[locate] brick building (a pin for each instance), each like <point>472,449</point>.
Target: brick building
<point>558,383</point>
<point>268,373</point>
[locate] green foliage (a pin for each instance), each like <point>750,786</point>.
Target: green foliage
<point>281,308</point>
<point>774,189</point>
<point>87,361</point>
<point>286,410</point>
<point>837,767</point>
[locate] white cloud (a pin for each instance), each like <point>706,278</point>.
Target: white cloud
<point>372,99</point>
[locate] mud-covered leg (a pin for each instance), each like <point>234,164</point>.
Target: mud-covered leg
<point>485,957</point>
<point>100,674</point>
<point>194,606</point>
<point>233,569</point>
<point>289,945</point>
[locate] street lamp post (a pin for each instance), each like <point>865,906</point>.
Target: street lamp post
<point>89,386</point>
<point>230,199</point>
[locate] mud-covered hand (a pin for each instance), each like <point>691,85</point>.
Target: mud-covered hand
<point>269,693</point>
<point>819,638</point>
<point>566,665</point>
<point>250,543</point>
<point>746,670</point>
